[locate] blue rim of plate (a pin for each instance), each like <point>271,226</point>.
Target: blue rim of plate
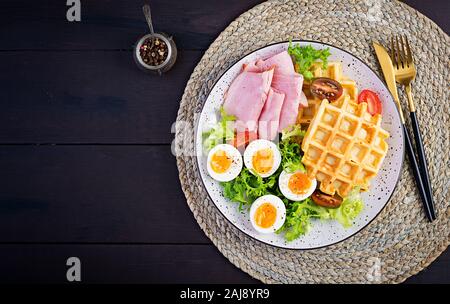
<point>363,227</point>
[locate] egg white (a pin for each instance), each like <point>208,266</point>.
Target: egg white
<point>279,206</point>
<point>283,184</point>
<point>236,163</point>
<point>257,145</point>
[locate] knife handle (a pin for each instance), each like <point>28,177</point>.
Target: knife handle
<point>417,175</point>
<point>422,160</point>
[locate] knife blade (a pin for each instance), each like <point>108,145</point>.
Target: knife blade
<point>389,76</point>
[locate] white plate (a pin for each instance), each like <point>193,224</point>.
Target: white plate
<point>323,233</point>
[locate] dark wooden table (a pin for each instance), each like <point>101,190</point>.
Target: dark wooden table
<point>85,161</point>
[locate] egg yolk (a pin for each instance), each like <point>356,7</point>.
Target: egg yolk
<point>265,215</point>
<point>262,161</point>
<point>299,183</point>
<point>220,162</point>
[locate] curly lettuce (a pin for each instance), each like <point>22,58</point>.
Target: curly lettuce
<point>305,56</point>
<point>292,132</point>
<point>298,218</point>
<point>247,187</point>
<point>220,133</point>
<point>291,159</point>
<point>351,207</point>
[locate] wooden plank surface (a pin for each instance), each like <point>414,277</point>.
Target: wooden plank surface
<point>113,25</point>
<point>88,97</point>
<point>144,263</point>
<point>85,144</point>
<point>108,194</point>
<point>120,264</point>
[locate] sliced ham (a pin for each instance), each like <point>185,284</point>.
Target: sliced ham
<point>282,63</point>
<point>270,115</point>
<point>255,66</point>
<point>291,86</point>
<point>245,98</point>
<point>285,80</point>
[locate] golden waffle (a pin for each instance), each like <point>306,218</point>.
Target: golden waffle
<point>344,146</point>
<point>333,71</point>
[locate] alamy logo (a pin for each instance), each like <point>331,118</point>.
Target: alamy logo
<point>74,11</point>
<point>73,274</point>
<point>374,271</point>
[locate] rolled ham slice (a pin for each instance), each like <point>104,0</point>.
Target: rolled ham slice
<point>255,66</point>
<point>291,86</point>
<point>282,63</point>
<point>245,98</point>
<point>270,115</point>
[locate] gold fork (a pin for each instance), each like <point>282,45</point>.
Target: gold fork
<point>405,73</point>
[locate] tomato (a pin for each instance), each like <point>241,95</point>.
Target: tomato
<point>307,90</point>
<point>372,100</point>
<point>242,139</point>
<point>326,200</point>
<point>326,88</point>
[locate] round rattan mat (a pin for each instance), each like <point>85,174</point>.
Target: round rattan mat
<point>399,242</point>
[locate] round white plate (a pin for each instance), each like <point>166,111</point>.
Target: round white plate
<point>322,233</point>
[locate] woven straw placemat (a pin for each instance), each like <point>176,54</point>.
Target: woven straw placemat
<point>399,242</point>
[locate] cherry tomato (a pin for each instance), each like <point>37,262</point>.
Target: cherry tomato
<point>326,200</point>
<point>372,100</point>
<point>326,88</point>
<point>307,90</point>
<point>242,139</point>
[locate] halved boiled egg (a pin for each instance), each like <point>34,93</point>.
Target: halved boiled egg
<point>296,186</point>
<point>224,163</point>
<point>267,214</point>
<point>262,157</point>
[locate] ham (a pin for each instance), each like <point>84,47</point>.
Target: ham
<point>285,80</point>
<point>245,98</point>
<point>282,63</point>
<point>291,86</point>
<point>255,66</point>
<point>270,115</point>
<point>266,96</point>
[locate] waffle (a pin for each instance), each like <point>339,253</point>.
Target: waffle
<point>333,71</point>
<point>344,146</point>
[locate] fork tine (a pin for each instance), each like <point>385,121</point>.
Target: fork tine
<point>399,58</point>
<point>403,52</point>
<point>409,53</point>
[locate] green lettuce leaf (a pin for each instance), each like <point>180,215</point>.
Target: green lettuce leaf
<point>246,187</point>
<point>298,218</point>
<point>291,156</point>
<point>220,133</point>
<point>351,207</point>
<point>305,56</point>
<point>294,131</point>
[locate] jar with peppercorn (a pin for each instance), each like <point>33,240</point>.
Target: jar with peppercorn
<point>155,52</point>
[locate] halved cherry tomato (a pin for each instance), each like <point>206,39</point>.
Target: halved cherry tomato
<point>242,139</point>
<point>307,89</point>
<point>372,100</point>
<point>326,88</point>
<point>326,200</point>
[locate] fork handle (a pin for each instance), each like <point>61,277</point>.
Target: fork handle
<point>417,176</point>
<point>422,160</point>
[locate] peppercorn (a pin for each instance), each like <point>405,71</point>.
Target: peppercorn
<point>153,51</point>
